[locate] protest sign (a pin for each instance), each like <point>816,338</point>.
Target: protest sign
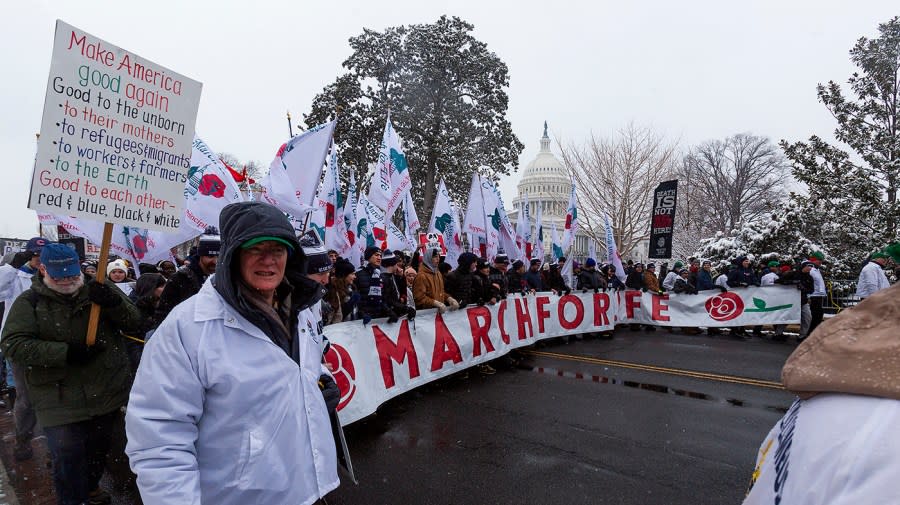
<point>376,362</point>
<point>116,135</point>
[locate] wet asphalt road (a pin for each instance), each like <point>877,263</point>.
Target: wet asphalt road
<point>568,427</point>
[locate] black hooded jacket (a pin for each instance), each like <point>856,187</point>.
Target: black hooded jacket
<point>240,222</point>
<point>185,283</point>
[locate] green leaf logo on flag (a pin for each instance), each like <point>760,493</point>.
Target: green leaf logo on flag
<point>495,219</point>
<point>441,222</point>
<point>398,160</point>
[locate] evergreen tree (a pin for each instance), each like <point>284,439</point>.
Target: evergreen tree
<point>446,93</point>
<point>851,207</point>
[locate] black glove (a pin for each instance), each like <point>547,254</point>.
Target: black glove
<point>567,292</point>
<point>480,303</point>
<point>366,319</point>
<point>81,354</point>
<point>722,289</point>
<point>597,290</point>
<point>392,319</point>
<point>410,313</point>
<point>643,290</point>
<point>103,295</point>
<point>330,392</point>
<point>584,290</point>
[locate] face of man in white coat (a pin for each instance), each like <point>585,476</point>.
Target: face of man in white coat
<point>262,266</point>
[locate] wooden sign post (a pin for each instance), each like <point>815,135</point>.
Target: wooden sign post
<point>101,276</point>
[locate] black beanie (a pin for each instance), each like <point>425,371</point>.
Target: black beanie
<point>370,251</point>
<point>343,268</point>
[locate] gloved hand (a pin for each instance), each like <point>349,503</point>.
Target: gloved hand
<point>354,299</point>
<point>410,313</point>
<point>440,307</point>
<point>660,292</point>
<point>597,290</point>
<point>392,319</point>
<point>567,292</point>
<point>103,295</point>
<point>722,289</point>
<point>330,391</point>
<point>454,305</point>
<point>584,290</point>
<point>480,303</point>
<point>81,354</point>
<point>366,319</point>
<point>643,290</point>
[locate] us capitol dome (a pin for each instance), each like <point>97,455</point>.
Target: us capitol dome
<point>545,182</point>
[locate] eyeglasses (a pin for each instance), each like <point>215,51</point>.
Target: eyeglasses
<point>276,252</point>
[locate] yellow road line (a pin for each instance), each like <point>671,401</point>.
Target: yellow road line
<point>652,368</point>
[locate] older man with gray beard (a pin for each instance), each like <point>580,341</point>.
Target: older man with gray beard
<point>77,390</point>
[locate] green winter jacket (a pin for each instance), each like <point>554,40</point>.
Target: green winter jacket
<point>36,336</point>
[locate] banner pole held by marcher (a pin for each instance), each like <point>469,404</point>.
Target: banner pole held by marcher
<point>101,276</point>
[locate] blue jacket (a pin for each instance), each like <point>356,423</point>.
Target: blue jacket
<point>704,281</point>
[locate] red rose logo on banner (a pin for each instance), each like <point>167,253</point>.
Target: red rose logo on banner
<point>724,306</point>
<point>343,371</point>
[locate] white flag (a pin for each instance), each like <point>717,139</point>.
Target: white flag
<point>592,250</point>
<point>391,179</point>
<point>571,228</point>
<point>411,221</point>
<point>523,231</point>
<point>612,252</point>
<point>556,249</point>
<point>537,248</point>
<point>295,172</point>
<point>445,220</point>
<point>350,219</point>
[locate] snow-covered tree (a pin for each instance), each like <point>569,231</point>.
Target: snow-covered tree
<point>773,236</point>
<point>446,92</point>
<point>851,206</point>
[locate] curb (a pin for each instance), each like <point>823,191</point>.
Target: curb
<point>7,493</point>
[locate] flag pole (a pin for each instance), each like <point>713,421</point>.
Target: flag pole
<point>290,128</point>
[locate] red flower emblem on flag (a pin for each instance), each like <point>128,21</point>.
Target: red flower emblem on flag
<point>211,185</point>
<point>329,215</point>
<point>343,371</point>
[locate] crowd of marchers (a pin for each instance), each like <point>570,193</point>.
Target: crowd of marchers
<point>393,284</point>
<point>213,366</point>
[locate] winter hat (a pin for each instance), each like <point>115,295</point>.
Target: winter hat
<point>317,259</point>
<point>651,265</point>
<point>535,261</point>
<point>740,259</point>
<point>36,244</point>
<point>807,264</point>
<point>465,260</point>
<point>343,268</point>
<point>114,265</point>
<point>677,265</point>
<point>210,243</point>
<point>590,262</point>
<point>502,259</point>
<point>482,263</point>
<point>388,258</point>
<point>772,263</point>
<point>370,251</point>
<point>638,265</point>
<point>517,264</point>
<point>890,251</point>
<point>562,259</point>
<point>707,262</point>
<point>818,255</point>
<point>60,260</point>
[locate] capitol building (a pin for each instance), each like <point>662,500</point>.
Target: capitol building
<point>546,183</point>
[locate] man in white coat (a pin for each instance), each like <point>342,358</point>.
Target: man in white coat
<point>226,408</point>
<point>872,277</point>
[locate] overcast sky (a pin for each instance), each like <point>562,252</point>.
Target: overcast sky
<point>694,70</point>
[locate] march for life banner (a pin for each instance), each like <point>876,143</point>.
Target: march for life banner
<point>376,362</point>
<point>116,134</point>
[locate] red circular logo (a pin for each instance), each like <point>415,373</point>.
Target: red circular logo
<point>724,306</point>
<point>343,371</point>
